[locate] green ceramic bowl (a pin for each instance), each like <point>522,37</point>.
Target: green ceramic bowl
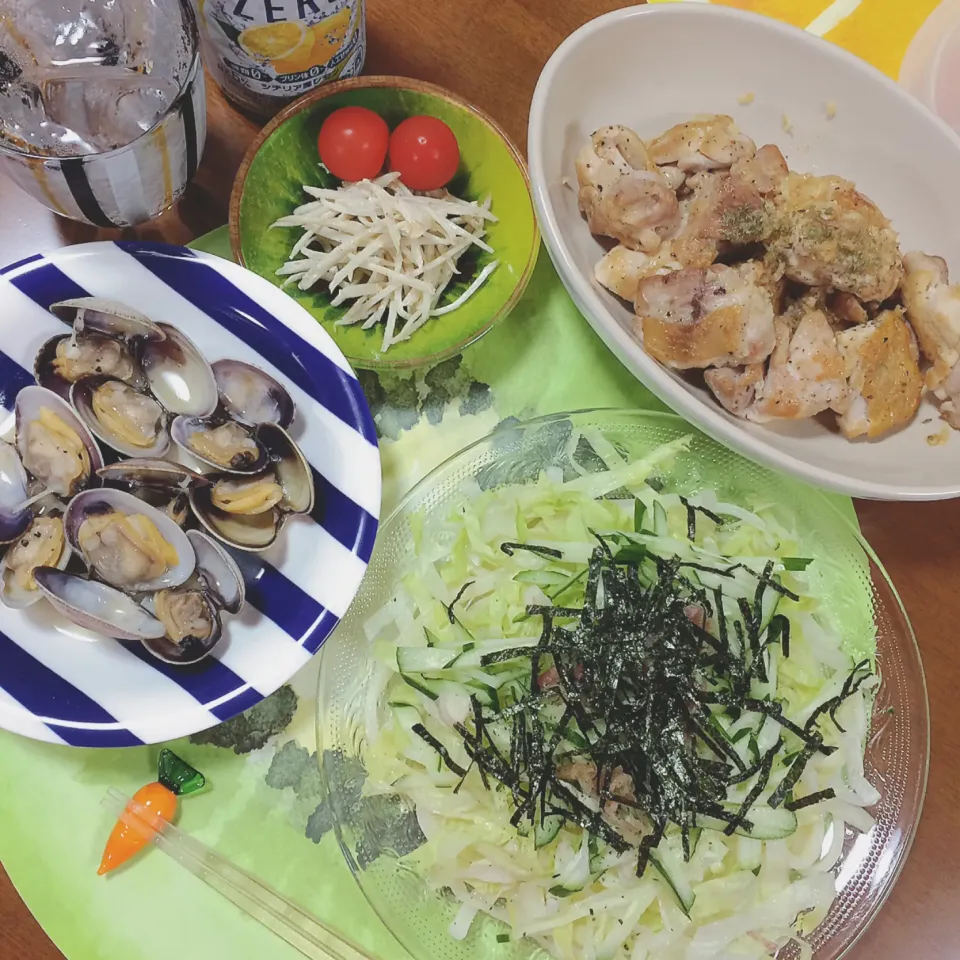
<point>284,157</point>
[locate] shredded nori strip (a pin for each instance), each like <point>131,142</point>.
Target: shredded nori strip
<point>766,765</point>
<point>634,682</point>
<point>692,510</point>
<point>424,734</point>
<point>449,607</point>
<point>808,801</point>
<point>509,548</point>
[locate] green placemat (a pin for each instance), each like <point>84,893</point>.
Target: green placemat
<point>262,807</point>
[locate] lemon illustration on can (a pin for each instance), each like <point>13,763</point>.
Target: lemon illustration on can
<point>293,46</point>
<point>262,65</point>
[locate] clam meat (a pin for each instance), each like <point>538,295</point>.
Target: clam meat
<point>127,542</point>
<point>43,544</point>
<point>185,613</point>
<point>53,444</point>
<point>125,549</point>
<point>78,357</point>
<point>125,419</point>
<point>132,417</point>
<point>247,495</point>
<point>225,446</point>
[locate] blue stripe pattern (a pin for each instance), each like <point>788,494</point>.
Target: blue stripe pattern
<point>20,263</point>
<point>51,698</point>
<point>344,520</point>
<point>47,695</point>
<point>206,682</point>
<point>316,374</point>
<point>294,611</point>
<point>47,285</point>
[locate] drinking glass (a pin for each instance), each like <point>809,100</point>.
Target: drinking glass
<point>102,105</point>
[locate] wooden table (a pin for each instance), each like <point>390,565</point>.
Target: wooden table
<point>492,53</point>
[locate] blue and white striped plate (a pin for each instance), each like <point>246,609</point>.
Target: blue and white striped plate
<point>54,686</point>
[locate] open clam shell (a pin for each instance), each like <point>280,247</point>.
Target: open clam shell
<point>42,544</point>
<point>192,626</point>
<point>151,472</point>
<point>218,571</point>
<point>179,375</point>
<point>291,468</point>
<point>97,606</point>
<point>14,517</point>
<point>64,359</point>
<point>222,445</point>
<point>251,533</point>
<point>106,316</point>
<point>55,445</point>
<point>128,421</point>
<point>248,513</point>
<point>126,557</point>
<point>251,395</point>
<point>161,483</point>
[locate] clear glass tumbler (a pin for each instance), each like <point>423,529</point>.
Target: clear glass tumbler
<point>102,105</point>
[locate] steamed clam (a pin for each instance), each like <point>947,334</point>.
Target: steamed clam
<point>130,422</point>
<point>54,445</point>
<point>109,317</point>
<point>218,572</point>
<point>221,444</point>
<point>14,515</point>
<point>247,496</point>
<point>161,483</point>
<point>97,606</point>
<point>65,359</point>
<point>42,544</point>
<point>179,376</point>
<point>249,512</point>
<point>252,396</point>
<point>121,559</point>
<point>128,543</point>
<point>191,621</point>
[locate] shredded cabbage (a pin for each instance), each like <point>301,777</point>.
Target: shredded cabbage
<point>737,896</point>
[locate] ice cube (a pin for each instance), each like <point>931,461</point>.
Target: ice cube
<point>112,112</point>
<point>78,76</point>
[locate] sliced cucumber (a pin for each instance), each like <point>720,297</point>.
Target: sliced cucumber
<point>423,659</point>
<point>749,853</point>
<point>767,823</point>
<point>542,578</point>
<point>432,688</point>
<point>661,527</point>
<point>546,830</point>
<point>407,715</point>
<point>419,687</point>
<point>670,866</point>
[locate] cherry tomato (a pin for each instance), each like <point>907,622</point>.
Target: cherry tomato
<point>425,153</point>
<point>353,143</point>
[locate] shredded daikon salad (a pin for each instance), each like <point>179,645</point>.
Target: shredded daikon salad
<point>498,722</point>
<point>393,253</point>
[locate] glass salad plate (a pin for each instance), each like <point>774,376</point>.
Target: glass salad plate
<point>376,832</point>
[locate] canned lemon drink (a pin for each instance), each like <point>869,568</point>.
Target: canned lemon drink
<point>265,53</point>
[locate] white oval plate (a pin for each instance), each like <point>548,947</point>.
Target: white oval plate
<point>62,685</point>
<point>652,66</point>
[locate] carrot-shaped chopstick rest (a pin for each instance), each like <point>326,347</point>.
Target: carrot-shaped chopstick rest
<point>154,804</point>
